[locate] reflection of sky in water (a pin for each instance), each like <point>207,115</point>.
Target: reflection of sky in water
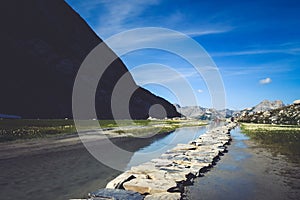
<point>229,167</point>
<point>228,179</point>
<point>239,138</point>
<point>239,143</point>
<point>239,156</point>
<point>154,150</point>
<point>248,173</point>
<point>236,133</point>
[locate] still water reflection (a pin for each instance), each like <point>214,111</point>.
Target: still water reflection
<point>154,150</point>
<point>252,169</point>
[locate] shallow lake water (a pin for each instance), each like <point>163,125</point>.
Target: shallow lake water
<point>72,172</point>
<point>250,170</point>
<point>158,147</point>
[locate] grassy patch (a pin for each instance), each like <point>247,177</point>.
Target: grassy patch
<point>280,139</point>
<point>117,123</point>
<point>148,129</point>
<point>272,133</point>
<point>14,129</point>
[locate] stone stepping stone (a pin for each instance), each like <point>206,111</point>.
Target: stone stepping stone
<point>115,194</point>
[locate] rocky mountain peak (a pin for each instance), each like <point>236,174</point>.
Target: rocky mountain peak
<point>267,105</point>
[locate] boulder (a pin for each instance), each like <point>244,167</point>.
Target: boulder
<point>119,180</point>
<point>164,196</point>
<point>185,147</point>
<point>149,186</point>
<point>115,194</point>
<point>296,102</point>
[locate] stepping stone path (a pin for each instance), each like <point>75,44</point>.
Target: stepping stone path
<point>166,176</point>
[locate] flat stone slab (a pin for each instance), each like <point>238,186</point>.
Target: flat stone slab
<point>149,186</point>
<point>117,183</point>
<point>115,194</point>
<point>164,196</point>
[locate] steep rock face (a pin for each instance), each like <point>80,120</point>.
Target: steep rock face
<point>43,43</point>
<point>284,115</point>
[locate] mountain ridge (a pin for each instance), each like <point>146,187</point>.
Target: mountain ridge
<point>287,115</point>
<point>43,46</point>
<point>202,113</point>
<point>263,106</point>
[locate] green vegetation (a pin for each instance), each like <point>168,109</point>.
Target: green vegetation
<point>14,129</point>
<point>263,130</point>
<point>280,139</point>
<point>147,130</point>
<point>116,123</point>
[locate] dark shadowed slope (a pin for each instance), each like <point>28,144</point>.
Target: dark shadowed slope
<point>43,44</point>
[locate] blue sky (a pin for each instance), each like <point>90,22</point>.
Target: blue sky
<point>255,44</point>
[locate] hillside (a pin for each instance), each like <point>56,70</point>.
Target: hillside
<point>43,44</point>
<point>267,105</point>
<point>263,106</point>
<point>283,115</point>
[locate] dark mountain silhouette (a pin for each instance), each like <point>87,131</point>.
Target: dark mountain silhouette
<point>43,43</point>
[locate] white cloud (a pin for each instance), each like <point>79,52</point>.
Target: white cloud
<point>265,81</point>
<point>157,73</point>
<point>193,33</point>
<point>119,15</point>
<point>293,51</point>
<point>200,91</point>
<point>273,67</point>
<point>110,17</point>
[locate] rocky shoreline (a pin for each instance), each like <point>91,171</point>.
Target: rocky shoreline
<point>166,176</point>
